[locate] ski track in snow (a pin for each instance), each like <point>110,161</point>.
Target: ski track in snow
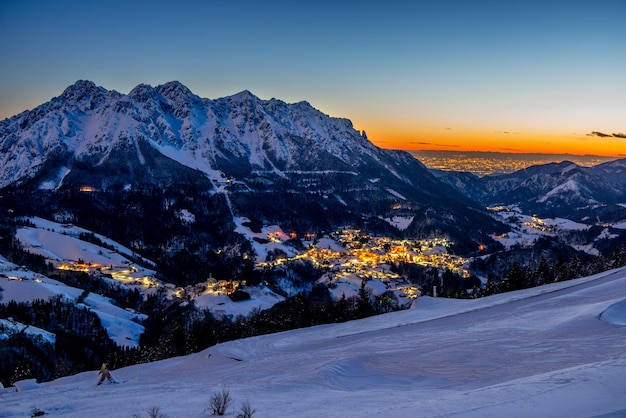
<point>541,352</point>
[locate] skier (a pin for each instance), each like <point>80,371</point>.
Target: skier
<point>104,374</point>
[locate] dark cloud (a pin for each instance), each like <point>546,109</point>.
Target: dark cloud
<point>603,135</point>
<point>433,143</point>
<point>599,134</point>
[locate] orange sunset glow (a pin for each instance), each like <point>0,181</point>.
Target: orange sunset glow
<point>504,141</point>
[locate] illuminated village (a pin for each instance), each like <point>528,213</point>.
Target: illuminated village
<point>349,256</point>
<point>343,260</point>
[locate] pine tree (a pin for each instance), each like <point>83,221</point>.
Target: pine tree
<point>342,309</point>
<point>574,267</point>
<point>492,287</point>
<point>618,258</point>
<point>363,303</point>
<point>560,272</point>
<point>543,274</point>
<point>516,278</point>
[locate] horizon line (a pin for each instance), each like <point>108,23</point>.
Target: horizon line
<point>516,153</point>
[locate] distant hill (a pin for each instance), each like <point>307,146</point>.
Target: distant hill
<point>566,189</point>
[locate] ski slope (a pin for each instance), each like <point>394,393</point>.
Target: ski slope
<point>554,351</point>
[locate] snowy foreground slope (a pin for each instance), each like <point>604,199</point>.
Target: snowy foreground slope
<point>556,350</point>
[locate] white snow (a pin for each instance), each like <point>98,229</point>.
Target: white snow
<point>57,182</point>
<point>606,234</point>
<point>620,225</point>
<point>350,284</point>
<point>329,244</point>
<point>26,384</point>
<point>615,314</point>
<point>222,305</point>
<point>400,222</point>
<point>566,224</point>
<point>540,352</point>
<point>60,243</point>
<point>75,231</point>
<point>569,186</point>
<point>186,217</point>
<point>60,247</point>
<point>587,248</point>
<point>22,285</point>
<point>270,238</point>
<point>9,327</point>
<point>569,168</point>
<point>395,193</point>
<point>121,325</point>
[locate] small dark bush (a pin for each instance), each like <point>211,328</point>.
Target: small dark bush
<point>219,402</point>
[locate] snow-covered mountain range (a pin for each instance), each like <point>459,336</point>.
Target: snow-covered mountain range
<point>232,136</point>
<point>246,150</point>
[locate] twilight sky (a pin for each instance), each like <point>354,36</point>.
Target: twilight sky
<point>513,76</point>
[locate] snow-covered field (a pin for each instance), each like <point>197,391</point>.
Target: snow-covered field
<point>61,244</point>
<point>552,351</point>
<point>49,232</point>
<point>21,285</point>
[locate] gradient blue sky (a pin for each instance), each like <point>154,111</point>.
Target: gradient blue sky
<point>459,75</point>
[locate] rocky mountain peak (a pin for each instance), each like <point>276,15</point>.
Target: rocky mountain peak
<point>243,96</point>
<point>86,94</point>
<point>142,92</point>
<point>81,87</point>
<point>177,92</point>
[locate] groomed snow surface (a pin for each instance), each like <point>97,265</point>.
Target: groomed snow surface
<point>553,351</point>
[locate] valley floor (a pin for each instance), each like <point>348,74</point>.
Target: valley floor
<point>555,350</point>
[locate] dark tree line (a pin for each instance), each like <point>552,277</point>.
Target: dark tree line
<point>182,330</point>
<point>522,277</point>
<point>81,342</point>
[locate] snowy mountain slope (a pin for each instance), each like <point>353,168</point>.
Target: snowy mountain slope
<point>266,159</point>
<point>556,190</point>
<point>61,245</point>
<point>21,285</point>
<point>240,132</point>
<point>540,352</point>
<point>558,183</point>
<point>10,327</point>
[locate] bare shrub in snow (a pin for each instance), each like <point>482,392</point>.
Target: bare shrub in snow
<point>246,410</point>
<point>219,402</point>
<point>154,412</point>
